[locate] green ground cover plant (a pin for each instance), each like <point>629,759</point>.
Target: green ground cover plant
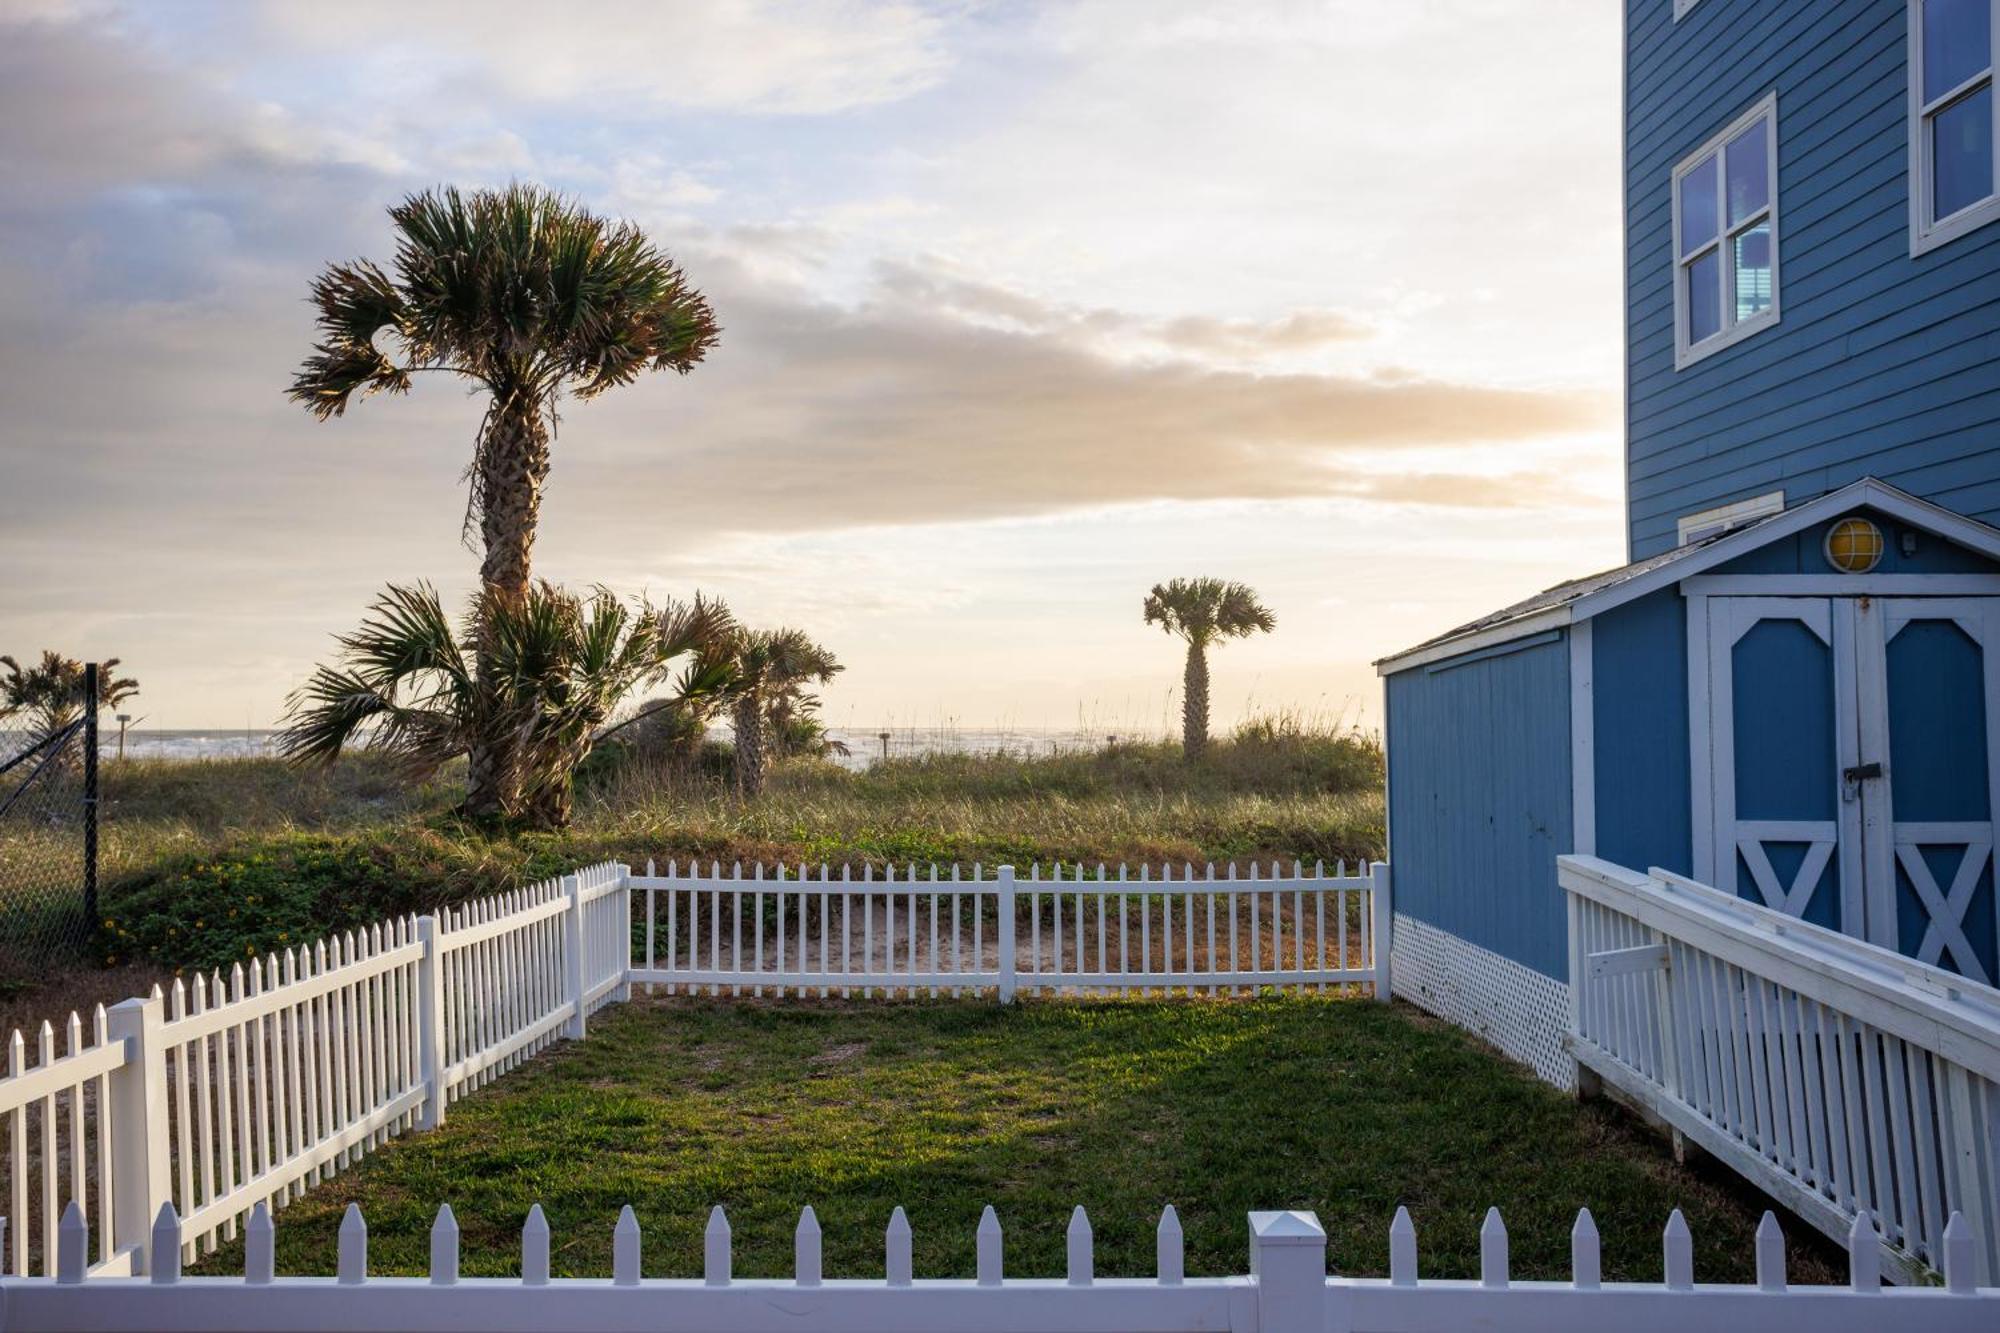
<point>1343,1106</point>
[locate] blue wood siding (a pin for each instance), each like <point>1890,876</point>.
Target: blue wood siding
<point>1639,692</point>
<point>1479,799</point>
<point>1881,364</point>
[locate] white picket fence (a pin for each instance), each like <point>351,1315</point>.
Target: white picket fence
<point>250,1087</point>
<point>243,1089</point>
<point>1287,1289</point>
<point>1075,932</point>
<point>1844,1079</point>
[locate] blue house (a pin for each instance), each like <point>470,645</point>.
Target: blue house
<point>1793,691</point>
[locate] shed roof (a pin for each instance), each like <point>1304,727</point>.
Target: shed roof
<point>1579,599</point>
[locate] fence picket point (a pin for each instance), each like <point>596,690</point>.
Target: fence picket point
<point>1864,1255</point>
<point>444,1248</point>
<point>988,1248</point>
<point>1586,1263</point>
<point>1402,1249</point>
<point>1078,1243</point>
<point>260,1247</point>
<point>164,1264</point>
<point>1678,1245</point>
<point>535,1248</point>
<point>806,1249</point>
<point>1770,1253</point>
<point>1170,1249</point>
<point>351,1264</point>
<point>897,1245</point>
<point>72,1245</point>
<point>625,1249</point>
<point>715,1249</point>
<point>1493,1250</point>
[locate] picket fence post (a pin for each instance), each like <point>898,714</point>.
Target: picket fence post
<point>137,1092</point>
<point>1288,1263</point>
<point>1004,928</point>
<point>1381,922</point>
<point>430,1022</point>
<point>573,955</point>
<point>624,873</point>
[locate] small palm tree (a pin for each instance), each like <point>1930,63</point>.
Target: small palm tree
<point>51,695</point>
<point>557,666</point>
<point>527,296</point>
<point>1203,612</point>
<point>773,670</point>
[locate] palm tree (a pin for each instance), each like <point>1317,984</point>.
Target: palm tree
<point>51,693</point>
<point>556,667</point>
<point>773,669</point>
<point>1203,612</point>
<point>526,295</point>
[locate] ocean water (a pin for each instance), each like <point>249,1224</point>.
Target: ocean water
<point>865,744</point>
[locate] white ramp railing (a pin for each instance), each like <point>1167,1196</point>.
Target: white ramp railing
<point>1844,1079</point>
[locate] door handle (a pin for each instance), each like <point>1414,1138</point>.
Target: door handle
<point>1852,778</point>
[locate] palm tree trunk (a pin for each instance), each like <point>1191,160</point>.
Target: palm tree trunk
<point>749,720</point>
<point>1194,702</point>
<point>512,464</point>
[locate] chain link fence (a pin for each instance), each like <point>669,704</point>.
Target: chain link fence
<point>48,847</point>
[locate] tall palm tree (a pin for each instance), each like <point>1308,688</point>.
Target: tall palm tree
<point>526,295</point>
<point>50,694</point>
<point>1204,612</point>
<point>558,664</point>
<point>773,669</point>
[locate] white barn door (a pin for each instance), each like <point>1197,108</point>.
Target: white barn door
<point>1850,763</point>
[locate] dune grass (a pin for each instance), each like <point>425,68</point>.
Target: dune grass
<point>1345,1107</point>
<point>210,862</point>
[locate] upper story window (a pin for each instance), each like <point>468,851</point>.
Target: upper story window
<point>1726,236</point>
<point>1952,119</point>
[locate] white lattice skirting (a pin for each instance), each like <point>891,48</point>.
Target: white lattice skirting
<point>1518,1009</point>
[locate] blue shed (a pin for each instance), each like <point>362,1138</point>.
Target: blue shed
<point>1762,700</point>
<point>1804,710</point>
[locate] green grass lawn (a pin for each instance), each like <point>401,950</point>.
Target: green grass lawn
<point>1343,1106</point>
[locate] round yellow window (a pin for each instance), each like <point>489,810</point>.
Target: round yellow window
<point>1854,546</point>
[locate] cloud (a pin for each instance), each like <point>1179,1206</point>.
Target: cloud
<point>901,409</point>
<point>755,56</point>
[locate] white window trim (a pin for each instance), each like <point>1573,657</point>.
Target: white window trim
<point>1681,7</point>
<point>1733,330</point>
<point>1722,518</point>
<point>1925,234</point>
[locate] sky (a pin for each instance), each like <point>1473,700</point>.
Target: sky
<point>1025,308</point>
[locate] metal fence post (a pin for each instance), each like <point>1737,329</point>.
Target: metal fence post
<point>141,1180</point>
<point>1004,927</point>
<point>1381,925</point>
<point>1288,1263</point>
<point>91,686</point>
<point>573,956</point>
<point>430,1022</point>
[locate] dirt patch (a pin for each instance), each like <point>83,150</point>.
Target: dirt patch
<point>840,1053</point>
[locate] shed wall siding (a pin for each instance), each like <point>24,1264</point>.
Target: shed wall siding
<point>1640,688</point>
<point>1881,364</point>
<point>1479,800</point>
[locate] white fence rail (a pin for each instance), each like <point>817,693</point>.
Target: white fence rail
<point>247,1088</point>
<point>1844,1079</point>
<point>1073,932</point>
<point>1287,1289</point>
<point>236,1090</point>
